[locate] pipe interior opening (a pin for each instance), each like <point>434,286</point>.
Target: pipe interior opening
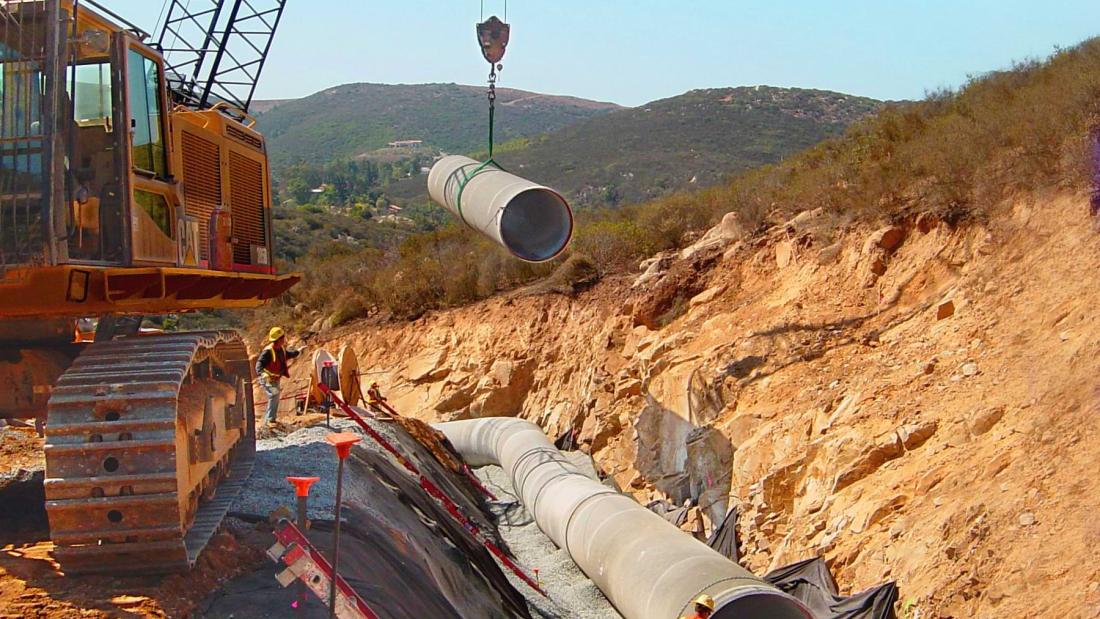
<point>536,224</point>
<point>761,606</point>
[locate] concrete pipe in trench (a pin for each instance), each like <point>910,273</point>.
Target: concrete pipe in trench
<point>530,221</point>
<point>645,566</point>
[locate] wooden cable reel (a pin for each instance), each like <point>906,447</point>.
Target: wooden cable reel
<point>351,389</point>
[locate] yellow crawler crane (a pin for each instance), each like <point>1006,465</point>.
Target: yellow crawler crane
<point>122,195</point>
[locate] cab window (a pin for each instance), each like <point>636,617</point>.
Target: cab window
<point>156,206</point>
<point>92,100</point>
<point>143,84</point>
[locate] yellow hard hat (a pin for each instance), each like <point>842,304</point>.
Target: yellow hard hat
<point>275,333</point>
<point>705,601</point>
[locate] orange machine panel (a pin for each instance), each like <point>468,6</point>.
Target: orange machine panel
<point>224,163</point>
<point>246,205</point>
<point>202,182</point>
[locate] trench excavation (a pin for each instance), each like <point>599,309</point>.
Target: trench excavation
<point>410,482</point>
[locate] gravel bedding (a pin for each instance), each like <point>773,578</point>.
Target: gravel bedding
<point>302,453</point>
<point>572,594</point>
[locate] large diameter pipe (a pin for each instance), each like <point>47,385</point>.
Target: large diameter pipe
<point>645,566</point>
<point>531,221</point>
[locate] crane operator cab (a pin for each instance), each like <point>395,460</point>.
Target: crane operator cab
<point>110,192</point>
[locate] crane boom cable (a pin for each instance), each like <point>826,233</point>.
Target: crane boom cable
<point>160,16</point>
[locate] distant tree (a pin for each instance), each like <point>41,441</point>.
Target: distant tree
<point>331,196</point>
<point>611,195</point>
<point>298,189</point>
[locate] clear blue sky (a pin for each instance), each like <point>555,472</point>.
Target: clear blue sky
<point>630,52</point>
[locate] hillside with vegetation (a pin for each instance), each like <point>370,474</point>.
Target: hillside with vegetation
<point>347,121</point>
<point>695,139</point>
<point>692,140</point>
<point>954,155</point>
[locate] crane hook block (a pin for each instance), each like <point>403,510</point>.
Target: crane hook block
<point>493,36</point>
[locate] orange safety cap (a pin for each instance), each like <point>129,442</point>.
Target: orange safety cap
<point>302,484</point>
<point>343,441</point>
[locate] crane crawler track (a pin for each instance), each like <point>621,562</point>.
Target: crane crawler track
<point>132,479</point>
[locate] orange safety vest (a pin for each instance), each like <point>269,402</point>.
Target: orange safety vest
<point>276,367</point>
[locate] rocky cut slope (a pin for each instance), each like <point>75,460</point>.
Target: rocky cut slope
<point>916,402</point>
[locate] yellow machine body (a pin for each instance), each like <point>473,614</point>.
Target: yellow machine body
<point>120,199</point>
<point>115,203</point>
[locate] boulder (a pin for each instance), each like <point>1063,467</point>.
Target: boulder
<point>652,268</point>
<point>828,255</point>
<point>984,420</point>
<point>628,388</point>
<point>504,389</point>
<point>888,238</point>
<point>427,366</point>
<point>802,220</point>
<point>707,295</point>
<point>597,430</point>
<point>871,457</point>
<point>913,435</point>
<point>727,231</point>
<point>728,228</point>
<point>784,252</point>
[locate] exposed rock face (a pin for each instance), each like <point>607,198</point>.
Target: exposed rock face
<point>827,398</point>
<point>727,231</point>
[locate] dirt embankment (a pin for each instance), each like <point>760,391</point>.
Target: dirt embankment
<point>31,586</point>
<point>916,403</point>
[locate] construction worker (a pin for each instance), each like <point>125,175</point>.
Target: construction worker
<point>704,607</point>
<point>376,400</point>
<point>271,367</point>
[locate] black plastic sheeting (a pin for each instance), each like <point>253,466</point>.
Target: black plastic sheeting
<point>676,515</point>
<point>724,537</point>
<point>811,582</point>
<point>404,553</point>
<point>400,550</point>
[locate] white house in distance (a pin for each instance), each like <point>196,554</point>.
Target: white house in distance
<point>405,143</point>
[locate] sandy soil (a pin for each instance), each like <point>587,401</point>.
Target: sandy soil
<point>31,586</point>
<point>20,448</point>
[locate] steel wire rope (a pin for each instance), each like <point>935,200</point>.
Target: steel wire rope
<point>163,9</point>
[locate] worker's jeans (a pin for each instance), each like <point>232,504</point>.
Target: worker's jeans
<point>272,389</point>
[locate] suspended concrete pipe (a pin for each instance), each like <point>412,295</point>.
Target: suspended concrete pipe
<point>645,566</point>
<point>531,221</point>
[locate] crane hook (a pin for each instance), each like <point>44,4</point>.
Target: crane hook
<point>492,34</point>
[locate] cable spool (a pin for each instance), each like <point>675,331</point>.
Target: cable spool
<point>351,389</point>
<point>318,375</point>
